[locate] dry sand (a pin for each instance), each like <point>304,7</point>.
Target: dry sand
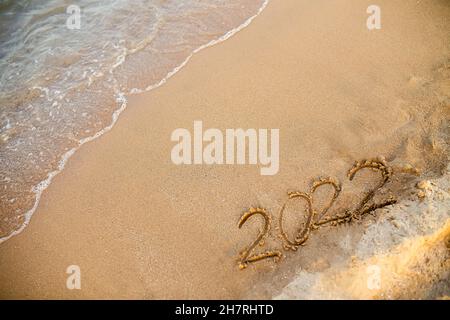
<point>140,227</point>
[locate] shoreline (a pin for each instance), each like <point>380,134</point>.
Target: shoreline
<point>122,100</point>
<point>140,227</point>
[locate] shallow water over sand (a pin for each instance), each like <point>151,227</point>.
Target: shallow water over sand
<point>61,87</point>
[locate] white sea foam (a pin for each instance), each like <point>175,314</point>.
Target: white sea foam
<point>120,97</point>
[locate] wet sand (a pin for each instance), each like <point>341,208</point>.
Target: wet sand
<point>139,226</point>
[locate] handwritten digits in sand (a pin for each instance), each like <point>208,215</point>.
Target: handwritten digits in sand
<point>303,233</point>
<point>245,255</point>
<point>315,219</point>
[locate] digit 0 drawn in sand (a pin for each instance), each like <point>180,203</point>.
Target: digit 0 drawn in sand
<point>315,219</point>
<point>302,234</point>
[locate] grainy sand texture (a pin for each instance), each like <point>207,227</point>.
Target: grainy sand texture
<point>139,226</point>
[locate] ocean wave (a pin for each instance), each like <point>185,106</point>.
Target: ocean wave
<point>62,88</point>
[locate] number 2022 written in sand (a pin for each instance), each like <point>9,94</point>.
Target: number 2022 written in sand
<point>315,219</point>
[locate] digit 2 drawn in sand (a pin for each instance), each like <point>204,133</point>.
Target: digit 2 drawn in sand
<point>314,219</point>
<point>245,255</point>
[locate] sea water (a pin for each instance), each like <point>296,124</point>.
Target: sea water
<point>62,85</point>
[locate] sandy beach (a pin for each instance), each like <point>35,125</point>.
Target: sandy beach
<point>141,227</point>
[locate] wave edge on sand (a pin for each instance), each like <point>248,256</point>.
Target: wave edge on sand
<point>122,100</point>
